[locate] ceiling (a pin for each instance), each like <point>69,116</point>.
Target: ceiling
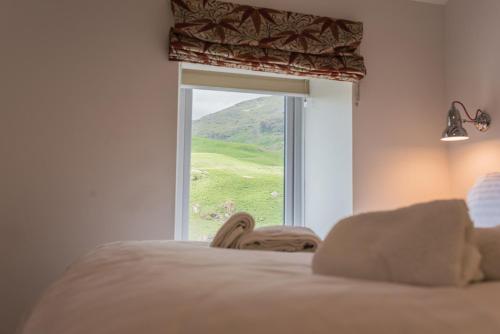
<point>436,2</point>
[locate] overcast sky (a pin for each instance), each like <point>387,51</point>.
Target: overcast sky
<point>209,101</point>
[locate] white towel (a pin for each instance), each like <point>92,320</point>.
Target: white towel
<point>425,244</point>
<point>281,238</point>
<point>238,233</point>
<point>232,230</point>
<point>488,241</point>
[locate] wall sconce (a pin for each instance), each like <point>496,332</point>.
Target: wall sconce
<point>454,129</point>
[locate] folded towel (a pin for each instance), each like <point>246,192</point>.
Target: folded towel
<point>232,230</point>
<point>281,239</point>
<point>488,241</point>
<point>238,233</point>
<point>425,244</point>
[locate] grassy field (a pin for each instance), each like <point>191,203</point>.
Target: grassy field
<point>231,177</point>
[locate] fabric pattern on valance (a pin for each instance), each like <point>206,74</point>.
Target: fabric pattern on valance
<point>225,34</point>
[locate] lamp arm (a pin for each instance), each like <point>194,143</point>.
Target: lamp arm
<point>467,112</point>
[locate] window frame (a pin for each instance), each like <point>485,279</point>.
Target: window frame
<point>293,159</point>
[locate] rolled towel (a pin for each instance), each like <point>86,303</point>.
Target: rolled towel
<point>232,230</point>
<point>425,244</point>
<point>488,241</point>
<point>281,239</point>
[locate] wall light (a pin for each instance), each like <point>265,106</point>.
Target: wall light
<point>454,129</point>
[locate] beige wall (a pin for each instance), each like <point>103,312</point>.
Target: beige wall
<point>88,122</point>
<point>473,76</point>
<point>398,158</point>
<point>88,131</point>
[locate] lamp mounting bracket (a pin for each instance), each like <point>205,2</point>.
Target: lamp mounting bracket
<point>481,120</point>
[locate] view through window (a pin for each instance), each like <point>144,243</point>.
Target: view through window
<point>237,159</point>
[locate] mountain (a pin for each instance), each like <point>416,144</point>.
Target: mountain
<point>258,121</point>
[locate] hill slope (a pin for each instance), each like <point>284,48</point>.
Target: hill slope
<point>231,177</point>
<point>259,121</point>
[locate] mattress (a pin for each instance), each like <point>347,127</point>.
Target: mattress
<point>188,288</point>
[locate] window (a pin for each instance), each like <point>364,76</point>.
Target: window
<point>237,152</point>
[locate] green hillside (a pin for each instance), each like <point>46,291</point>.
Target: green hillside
<point>230,177</point>
<point>237,165</point>
<point>259,121</point>
<point>245,152</point>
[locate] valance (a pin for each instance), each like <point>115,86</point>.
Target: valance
<point>232,35</point>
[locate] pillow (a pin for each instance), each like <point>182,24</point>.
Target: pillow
<point>425,244</point>
<point>488,241</point>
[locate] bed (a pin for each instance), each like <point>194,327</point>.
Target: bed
<point>188,288</point>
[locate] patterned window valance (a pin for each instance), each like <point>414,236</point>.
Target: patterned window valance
<point>225,34</point>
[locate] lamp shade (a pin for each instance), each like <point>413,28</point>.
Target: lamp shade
<point>454,129</point>
<point>484,201</point>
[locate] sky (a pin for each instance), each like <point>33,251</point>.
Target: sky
<point>206,102</point>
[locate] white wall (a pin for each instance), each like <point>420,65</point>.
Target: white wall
<point>87,135</point>
<point>328,155</point>
<point>88,125</point>
<point>473,76</point>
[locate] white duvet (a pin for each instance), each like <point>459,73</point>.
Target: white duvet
<point>187,288</point>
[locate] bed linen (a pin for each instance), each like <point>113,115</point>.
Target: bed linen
<point>188,288</point>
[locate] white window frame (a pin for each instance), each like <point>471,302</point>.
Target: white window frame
<point>294,159</point>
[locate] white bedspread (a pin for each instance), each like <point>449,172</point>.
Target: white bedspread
<point>187,288</point>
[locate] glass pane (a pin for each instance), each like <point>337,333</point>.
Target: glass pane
<point>237,159</point>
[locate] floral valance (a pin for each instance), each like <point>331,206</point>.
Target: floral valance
<point>226,34</point>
